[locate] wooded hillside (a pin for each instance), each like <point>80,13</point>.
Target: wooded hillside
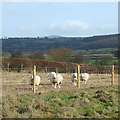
<point>74,43</point>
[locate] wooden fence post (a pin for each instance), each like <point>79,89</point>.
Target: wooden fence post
<point>75,69</point>
<point>8,67</point>
<point>46,69</point>
<point>34,78</point>
<point>66,70</point>
<point>21,67</point>
<point>56,69</point>
<point>112,75</point>
<point>78,75</point>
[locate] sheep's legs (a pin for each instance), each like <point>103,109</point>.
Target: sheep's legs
<point>59,85</point>
<point>36,88</point>
<point>83,81</point>
<point>55,85</point>
<point>75,83</point>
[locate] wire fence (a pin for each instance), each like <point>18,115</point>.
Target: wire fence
<point>16,80</point>
<point>83,69</point>
<point>20,65</point>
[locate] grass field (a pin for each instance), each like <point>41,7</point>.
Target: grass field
<point>95,99</point>
<point>100,102</point>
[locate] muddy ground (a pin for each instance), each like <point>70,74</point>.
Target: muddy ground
<point>13,82</point>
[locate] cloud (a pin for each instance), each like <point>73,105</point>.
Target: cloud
<point>67,25</point>
<point>67,28</point>
<point>73,27</point>
<point>79,28</point>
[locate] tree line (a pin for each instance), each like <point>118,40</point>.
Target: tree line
<point>75,43</point>
<point>62,54</point>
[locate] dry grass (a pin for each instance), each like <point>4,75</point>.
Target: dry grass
<point>13,82</point>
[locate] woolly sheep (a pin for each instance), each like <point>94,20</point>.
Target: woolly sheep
<point>83,77</point>
<point>37,81</point>
<point>74,78</point>
<point>55,79</point>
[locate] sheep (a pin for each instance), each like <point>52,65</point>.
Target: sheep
<point>74,78</point>
<point>55,79</point>
<point>37,81</point>
<point>83,77</point>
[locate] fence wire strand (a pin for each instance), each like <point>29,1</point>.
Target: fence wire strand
<point>83,69</point>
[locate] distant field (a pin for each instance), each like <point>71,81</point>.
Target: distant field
<point>90,56</point>
<point>94,62</point>
<point>48,57</point>
<point>97,51</point>
<point>99,55</point>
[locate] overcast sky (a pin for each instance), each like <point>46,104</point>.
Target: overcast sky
<point>34,19</point>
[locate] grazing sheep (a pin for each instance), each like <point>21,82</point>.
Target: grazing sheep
<point>74,78</point>
<point>55,79</point>
<point>37,81</point>
<point>83,77</point>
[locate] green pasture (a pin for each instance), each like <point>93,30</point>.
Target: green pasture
<point>101,102</point>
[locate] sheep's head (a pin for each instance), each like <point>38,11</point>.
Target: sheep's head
<point>53,75</point>
<point>31,77</point>
<point>74,75</point>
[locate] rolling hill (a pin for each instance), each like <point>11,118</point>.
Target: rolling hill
<point>45,43</point>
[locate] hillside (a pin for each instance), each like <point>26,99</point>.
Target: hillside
<point>45,43</point>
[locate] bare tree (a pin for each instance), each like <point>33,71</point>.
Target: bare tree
<point>37,55</point>
<point>17,54</point>
<point>104,60</point>
<point>61,54</point>
<point>78,58</point>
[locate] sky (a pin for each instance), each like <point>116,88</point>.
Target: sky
<point>76,19</point>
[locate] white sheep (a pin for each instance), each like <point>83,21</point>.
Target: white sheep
<point>37,81</point>
<point>55,79</point>
<point>83,77</point>
<point>74,78</point>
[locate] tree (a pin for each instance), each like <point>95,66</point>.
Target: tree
<point>104,60</point>
<point>78,58</point>
<point>17,54</point>
<point>117,53</point>
<point>61,54</point>
<point>37,55</point>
